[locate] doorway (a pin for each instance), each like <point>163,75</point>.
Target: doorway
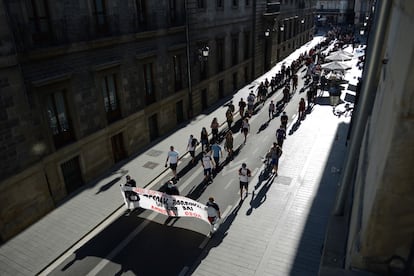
<point>153,127</point>
<point>204,99</point>
<point>118,149</point>
<point>72,174</point>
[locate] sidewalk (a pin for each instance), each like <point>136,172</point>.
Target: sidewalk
<point>39,245</point>
<point>280,230</point>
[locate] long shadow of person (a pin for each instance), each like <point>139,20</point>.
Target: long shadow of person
<point>260,197</point>
<point>263,127</point>
<point>264,174</point>
<point>295,127</point>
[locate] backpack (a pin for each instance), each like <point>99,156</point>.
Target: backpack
<point>281,133</point>
<point>213,204</point>
<point>249,173</point>
<point>279,151</point>
<point>194,142</point>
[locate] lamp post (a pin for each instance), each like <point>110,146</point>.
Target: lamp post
<point>203,53</point>
<point>266,49</point>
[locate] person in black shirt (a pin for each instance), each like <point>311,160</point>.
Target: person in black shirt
<point>284,120</point>
<point>172,189</point>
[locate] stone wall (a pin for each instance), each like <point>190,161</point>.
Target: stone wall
<point>384,182</point>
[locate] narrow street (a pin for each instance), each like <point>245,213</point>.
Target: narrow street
<point>145,243</point>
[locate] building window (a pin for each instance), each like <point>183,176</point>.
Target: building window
<point>235,3</point>
<point>58,118</point>
<point>201,4</point>
<point>39,20</point>
<point>178,77</point>
<point>234,50</point>
<point>110,98</point>
<point>234,81</point>
<point>173,11</point>
<point>220,54</point>
<point>219,3</point>
<point>246,45</point>
<point>149,84</point>
<point>101,25</point>
<point>141,12</point>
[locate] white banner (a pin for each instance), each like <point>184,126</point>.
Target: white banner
<point>169,205</point>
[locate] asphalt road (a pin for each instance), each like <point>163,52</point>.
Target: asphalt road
<point>146,243</point>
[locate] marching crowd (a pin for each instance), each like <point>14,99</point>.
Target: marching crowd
<point>287,80</point>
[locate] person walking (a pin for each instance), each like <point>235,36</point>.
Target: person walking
<point>245,129</point>
<point>172,157</point>
<point>275,153</point>
<point>208,164</point>
<point>229,117</point>
<point>191,147</point>
<point>231,106</point>
<point>204,139</point>
<point>286,94</point>
<point>271,110</point>
<point>228,144</point>
<point>171,188</point>
<point>242,106</point>
<point>214,128</point>
<point>250,103</point>
<point>284,120</point>
<point>130,195</point>
<point>213,213</point>
<point>301,109</point>
<point>217,153</point>
<point>280,135</point>
<point>244,174</point>
<point>294,82</point>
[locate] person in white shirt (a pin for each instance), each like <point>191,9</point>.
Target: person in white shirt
<point>213,213</point>
<point>244,174</point>
<point>208,164</point>
<point>245,128</point>
<point>191,147</point>
<point>172,157</point>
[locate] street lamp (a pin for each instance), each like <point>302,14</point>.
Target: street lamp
<point>361,32</point>
<point>267,33</point>
<point>282,28</point>
<point>203,53</point>
<point>302,21</point>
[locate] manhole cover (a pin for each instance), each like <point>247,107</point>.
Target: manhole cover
<point>284,180</point>
<point>154,153</point>
<point>150,165</point>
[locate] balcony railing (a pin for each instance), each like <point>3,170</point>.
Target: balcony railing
<point>272,8</point>
<point>72,30</point>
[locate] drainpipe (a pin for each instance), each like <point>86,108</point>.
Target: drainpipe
<point>187,37</point>
<point>370,79</point>
<point>253,40</point>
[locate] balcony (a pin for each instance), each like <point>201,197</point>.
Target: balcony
<point>272,9</point>
<point>28,35</point>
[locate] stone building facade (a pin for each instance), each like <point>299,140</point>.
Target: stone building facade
<point>335,11</point>
<point>372,229</point>
<point>87,84</point>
